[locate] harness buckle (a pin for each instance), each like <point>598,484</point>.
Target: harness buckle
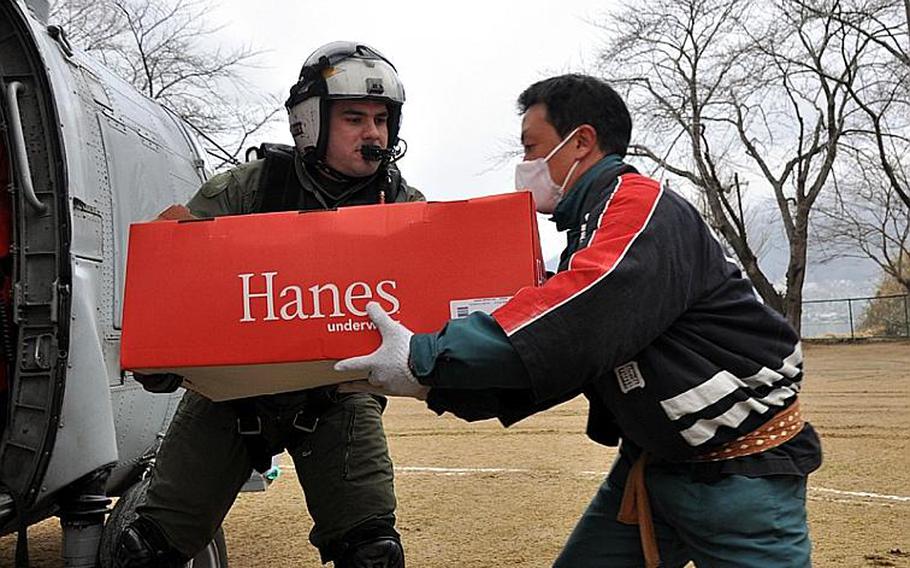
<point>305,423</point>
<point>249,425</point>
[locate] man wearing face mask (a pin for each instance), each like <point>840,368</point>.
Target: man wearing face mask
<point>650,320</point>
<point>344,114</point>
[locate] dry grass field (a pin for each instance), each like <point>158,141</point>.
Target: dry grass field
<point>481,496</point>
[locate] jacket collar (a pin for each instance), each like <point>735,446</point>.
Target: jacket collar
<point>570,210</point>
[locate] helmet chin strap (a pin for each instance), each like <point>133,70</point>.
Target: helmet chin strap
<point>348,185</point>
<point>370,153</point>
<point>320,166</point>
<point>331,173</point>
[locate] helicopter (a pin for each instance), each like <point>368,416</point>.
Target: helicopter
<point>83,155</point>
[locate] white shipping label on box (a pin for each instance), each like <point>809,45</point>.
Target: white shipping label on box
<point>464,308</point>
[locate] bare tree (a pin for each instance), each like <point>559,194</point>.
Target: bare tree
<point>730,89</point>
<point>169,50</point>
<point>868,215</point>
<point>882,93</point>
<point>863,218</point>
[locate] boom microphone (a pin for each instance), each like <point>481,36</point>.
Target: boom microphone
<point>374,153</point>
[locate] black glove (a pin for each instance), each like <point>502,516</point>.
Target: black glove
<point>159,382</point>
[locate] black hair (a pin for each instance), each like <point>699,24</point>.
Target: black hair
<point>572,100</point>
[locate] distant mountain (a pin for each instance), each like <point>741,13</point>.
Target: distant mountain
<point>838,278</point>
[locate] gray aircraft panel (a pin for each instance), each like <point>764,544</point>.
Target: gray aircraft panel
<point>85,440</point>
<point>126,159</point>
<point>141,419</point>
<point>150,160</point>
<point>134,158</point>
<point>103,156</point>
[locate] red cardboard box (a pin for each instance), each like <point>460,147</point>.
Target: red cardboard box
<point>256,304</point>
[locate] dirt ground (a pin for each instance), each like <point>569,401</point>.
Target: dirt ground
<point>480,495</point>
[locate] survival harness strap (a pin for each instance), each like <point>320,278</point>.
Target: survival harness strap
<point>252,427</point>
<point>279,189</point>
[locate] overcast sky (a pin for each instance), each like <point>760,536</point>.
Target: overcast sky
<point>463,65</point>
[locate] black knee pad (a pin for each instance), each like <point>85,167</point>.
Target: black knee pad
<point>141,545</point>
<point>379,552</point>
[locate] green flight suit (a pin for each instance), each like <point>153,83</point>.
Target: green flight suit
<point>343,465</point>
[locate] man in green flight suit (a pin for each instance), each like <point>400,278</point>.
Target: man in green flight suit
<point>345,113</point>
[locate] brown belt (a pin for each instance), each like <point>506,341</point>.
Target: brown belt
<point>636,509</point>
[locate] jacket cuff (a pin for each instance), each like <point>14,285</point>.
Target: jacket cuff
<point>422,358</point>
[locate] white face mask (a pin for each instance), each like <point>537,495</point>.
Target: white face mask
<point>534,176</point>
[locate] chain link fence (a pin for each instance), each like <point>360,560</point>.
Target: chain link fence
<point>857,318</point>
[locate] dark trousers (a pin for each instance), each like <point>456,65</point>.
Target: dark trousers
<point>732,522</point>
<point>343,467</point>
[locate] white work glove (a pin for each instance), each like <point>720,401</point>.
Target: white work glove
<point>388,369</point>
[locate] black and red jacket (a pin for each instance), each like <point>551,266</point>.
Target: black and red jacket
<point>647,317</point>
